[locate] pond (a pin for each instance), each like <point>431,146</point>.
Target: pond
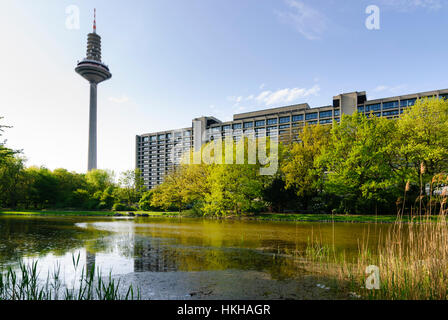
<point>183,258</point>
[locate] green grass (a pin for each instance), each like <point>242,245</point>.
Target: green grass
<point>412,261</point>
<point>83,213</point>
<point>157,213</point>
<point>328,218</point>
<point>262,217</point>
<point>56,213</point>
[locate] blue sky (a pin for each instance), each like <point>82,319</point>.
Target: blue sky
<point>178,59</point>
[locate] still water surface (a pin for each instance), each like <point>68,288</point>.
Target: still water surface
<point>182,258</point>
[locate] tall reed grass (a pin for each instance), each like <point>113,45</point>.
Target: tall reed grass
<point>412,258</point>
<point>25,283</point>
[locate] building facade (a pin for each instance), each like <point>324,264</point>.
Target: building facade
<point>159,152</point>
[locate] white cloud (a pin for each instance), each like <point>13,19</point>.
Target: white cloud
<point>119,100</point>
<point>287,95</point>
<point>305,19</point>
<point>406,5</point>
<point>380,88</point>
<point>267,98</point>
<point>391,89</point>
<point>236,100</point>
<point>281,96</point>
<point>240,109</point>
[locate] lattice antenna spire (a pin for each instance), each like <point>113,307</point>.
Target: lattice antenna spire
<point>94,20</point>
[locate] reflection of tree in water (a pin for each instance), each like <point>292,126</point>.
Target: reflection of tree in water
<point>22,236</point>
<point>158,256</point>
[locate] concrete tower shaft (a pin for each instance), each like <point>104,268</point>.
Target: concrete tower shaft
<point>94,71</point>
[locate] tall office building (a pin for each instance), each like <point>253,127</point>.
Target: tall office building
<point>157,153</point>
<point>94,71</point>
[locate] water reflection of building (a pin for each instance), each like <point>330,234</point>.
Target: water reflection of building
<point>152,256</point>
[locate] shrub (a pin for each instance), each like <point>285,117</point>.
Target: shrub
<point>145,202</point>
<point>122,207</point>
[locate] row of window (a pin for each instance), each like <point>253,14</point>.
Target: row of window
<point>248,125</point>
<point>391,105</point>
<point>284,126</point>
<point>281,120</point>
<point>165,136</point>
<point>309,116</point>
<point>162,143</point>
<point>167,147</point>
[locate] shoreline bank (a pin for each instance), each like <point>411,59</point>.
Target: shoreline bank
<point>279,217</point>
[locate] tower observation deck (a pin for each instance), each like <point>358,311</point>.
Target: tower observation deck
<point>94,71</point>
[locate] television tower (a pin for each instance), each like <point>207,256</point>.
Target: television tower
<point>94,71</point>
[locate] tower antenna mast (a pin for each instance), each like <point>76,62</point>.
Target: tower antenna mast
<point>95,71</point>
<point>94,20</point>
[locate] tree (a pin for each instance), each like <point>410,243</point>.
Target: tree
<point>169,194</point>
<point>81,198</point>
<point>107,198</point>
<point>5,153</point>
<point>423,133</point>
<point>68,182</point>
<point>132,185</point>
<point>145,201</point>
<point>216,189</point>
<point>237,188</point>
<point>359,163</point>
<point>12,182</point>
<point>234,189</point>
<point>42,187</point>
<point>279,197</point>
<point>99,180</point>
<point>302,171</point>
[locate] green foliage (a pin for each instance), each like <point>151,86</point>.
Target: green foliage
<point>131,190</point>
<point>13,181</point>
<point>99,180</point>
<point>41,188</point>
<point>278,197</point>
<point>5,153</point>
<point>214,189</point>
<point>359,162</point>
<point>234,189</point>
<point>145,201</point>
<point>67,184</point>
<point>122,207</point>
<point>107,197</point>
<point>301,168</point>
<point>423,135</point>
<point>171,194</point>
<point>81,198</point>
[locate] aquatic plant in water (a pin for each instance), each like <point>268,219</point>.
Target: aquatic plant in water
<point>24,283</point>
<point>412,259</point>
